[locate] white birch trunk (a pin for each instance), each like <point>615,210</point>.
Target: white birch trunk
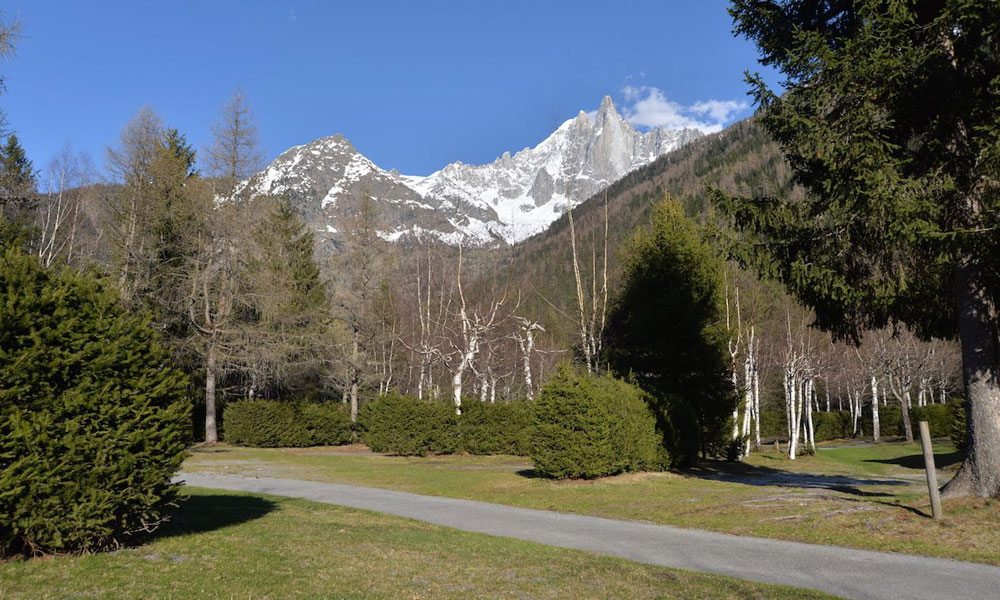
<point>876,430</point>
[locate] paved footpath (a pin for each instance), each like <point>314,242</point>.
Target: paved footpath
<point>840,571</point>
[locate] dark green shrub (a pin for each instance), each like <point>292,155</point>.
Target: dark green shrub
<point>833,425</point>
<point>829,425</point>
<point>940,419</point>
<point>587,427</point>
<point>958,430</point>
<point>773,424</point>
<point>938,416</point>
<point>397,424</point>
<point>276,424</point>
<point>93,419</point>
<point>503,428</point>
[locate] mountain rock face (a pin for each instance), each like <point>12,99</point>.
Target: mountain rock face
<point>505,201</point>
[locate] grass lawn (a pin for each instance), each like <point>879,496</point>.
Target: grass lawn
<point>872,497</point>
<point>246,547</point>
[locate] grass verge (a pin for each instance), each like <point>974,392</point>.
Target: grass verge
<point>247,547</point>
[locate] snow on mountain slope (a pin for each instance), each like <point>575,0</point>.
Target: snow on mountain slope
<point>505,201</point>
<point>526,192</point>
<point>324,181</point>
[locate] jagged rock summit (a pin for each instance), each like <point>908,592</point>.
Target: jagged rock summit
<point>504,201</point>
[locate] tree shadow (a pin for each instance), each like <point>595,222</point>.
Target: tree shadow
<point>529,474</point>
<point>766,476</point>
<point>916,461</point>
<point>204,513</point>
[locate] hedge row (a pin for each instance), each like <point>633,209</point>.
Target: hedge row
<point>402,425</point>
<point>503,428</point>
<point>276,424</point>
<point>586,427</point>
<point>941,419</point>
<point>398,424</point>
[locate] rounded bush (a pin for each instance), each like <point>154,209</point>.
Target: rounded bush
<point>502,428</point>
<point>276,424</point>
<point>397,424</point>
<point>586,427</point>
<point>93,420</point>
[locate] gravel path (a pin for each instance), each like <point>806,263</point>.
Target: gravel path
<point>840,571</point>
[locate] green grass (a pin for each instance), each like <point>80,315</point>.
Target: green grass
<point>882,505</point>
<point>246,547</point>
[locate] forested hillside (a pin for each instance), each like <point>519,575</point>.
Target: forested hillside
<point>739,159</point>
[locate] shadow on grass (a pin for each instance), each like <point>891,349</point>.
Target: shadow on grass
<point>916,461</point>
<point>209,512</point>
<point>766,476</point>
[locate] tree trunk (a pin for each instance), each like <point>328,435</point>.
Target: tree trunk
<point>211,431</point>
<point>810,432</point>
<point>907,427</point>
<point>979,474</point>
<point>793,417</point>
<point>456,386</point>
<point>876,429</point>
<point>355,376</point>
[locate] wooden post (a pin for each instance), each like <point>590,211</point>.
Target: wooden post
<point>932,484</point>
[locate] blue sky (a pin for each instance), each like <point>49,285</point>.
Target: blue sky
<point>414,85</point>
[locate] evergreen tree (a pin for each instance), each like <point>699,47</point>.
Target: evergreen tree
<point>18,179</point>
<point>890,119</point>
<point>93,417</point>
<point>664,329</point>
<point>17,172</point>
<point>178,147</point>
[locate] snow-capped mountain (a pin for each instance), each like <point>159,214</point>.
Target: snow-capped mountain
<point>505,201</point>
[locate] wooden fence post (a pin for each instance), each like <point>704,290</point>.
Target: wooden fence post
<point>932,484</point>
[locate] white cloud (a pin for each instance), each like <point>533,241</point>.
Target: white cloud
<point>647,106</point>
<point>719,110</point>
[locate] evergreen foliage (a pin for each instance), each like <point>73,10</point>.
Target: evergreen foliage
<point>277,424</point>
<point>397,424</point>
<point>18,177</point>
<point>837,424</point>
<point>959,426</point>
<point>889,118</point>
<point>664,329</point>
<point>93,419</point>
<point>587,427</point>
<point>501,428</point>
<point>18,181</point>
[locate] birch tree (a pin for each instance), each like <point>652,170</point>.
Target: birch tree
<point>593,310</point>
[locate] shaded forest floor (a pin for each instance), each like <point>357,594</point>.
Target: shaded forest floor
<point>229,545</point>
<point>870,496</point>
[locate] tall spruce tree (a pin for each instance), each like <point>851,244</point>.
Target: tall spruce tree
<point>17,172</point>
<point>18,180</point>
<point>664,329</point>
<point>890,119</point>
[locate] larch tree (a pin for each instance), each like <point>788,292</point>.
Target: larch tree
<point>234,153</point>
<point>890,120</point>
<point>132,204</point>
<point>10,31</point>
<point>355,277</point>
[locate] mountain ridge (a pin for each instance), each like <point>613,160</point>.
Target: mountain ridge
<point>499,203</point>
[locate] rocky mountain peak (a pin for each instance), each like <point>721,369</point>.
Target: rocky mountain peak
<point>507,200</point>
